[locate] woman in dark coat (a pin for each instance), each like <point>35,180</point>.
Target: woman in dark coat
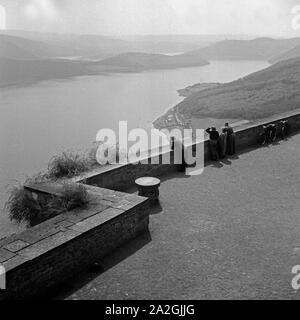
<point>178,146</point>
<point>223,144</point>
<point>230,139</point>
<point>214,138</point>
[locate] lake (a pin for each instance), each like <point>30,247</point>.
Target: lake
<point>44,119</point>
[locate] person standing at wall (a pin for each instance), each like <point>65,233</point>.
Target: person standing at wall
<point>222,144</point>
<point>179,153</point>
<point>231,141</point>
<point>213,141</point>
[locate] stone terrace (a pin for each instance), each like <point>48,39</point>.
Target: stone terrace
<point>233,232</point>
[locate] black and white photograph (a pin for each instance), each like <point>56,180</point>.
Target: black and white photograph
<point>149,151</point>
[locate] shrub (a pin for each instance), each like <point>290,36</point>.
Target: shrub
<point>73,196</point>
<point>23,208</point>
<point>92,154</point>
<point>67,165</point>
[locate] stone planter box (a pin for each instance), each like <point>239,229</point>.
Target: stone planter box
<point>40,258</point>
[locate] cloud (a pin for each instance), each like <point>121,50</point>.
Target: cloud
<point>237,16</point>
<point>265,17</point>
<point>2,18</point>
<point>40,9</point>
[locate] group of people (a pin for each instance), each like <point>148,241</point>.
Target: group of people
<point>221,144</point>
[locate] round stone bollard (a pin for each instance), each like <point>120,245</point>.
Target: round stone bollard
<point>149,187</point>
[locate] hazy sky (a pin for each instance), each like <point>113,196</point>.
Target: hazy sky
<point>114,17</point>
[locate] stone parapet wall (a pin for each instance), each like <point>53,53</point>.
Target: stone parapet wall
<point>122,177</point>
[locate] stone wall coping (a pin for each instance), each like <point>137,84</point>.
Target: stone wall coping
<point>268,120</point>
<point>115,167</point>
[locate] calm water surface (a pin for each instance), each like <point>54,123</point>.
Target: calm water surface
<point>44,119</point>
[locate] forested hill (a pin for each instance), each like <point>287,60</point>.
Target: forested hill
<point>256,49</point>
<point>261,94</point>
<point>137,61</point>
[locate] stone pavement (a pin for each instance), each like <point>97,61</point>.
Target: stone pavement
<point>231,233</point>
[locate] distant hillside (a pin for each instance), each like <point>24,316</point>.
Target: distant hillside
<point>28,71</point>
<point>53,45</point>
<point>145,61</point>
<point>261,94</point>
<point>290,54</point>
<point>257,49</point>
<point>20,48</point>
<point>100,47</point>
<point>174,43</point>
<point>48,45</point>
<point>22,71</point>
<point>188,91</point>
